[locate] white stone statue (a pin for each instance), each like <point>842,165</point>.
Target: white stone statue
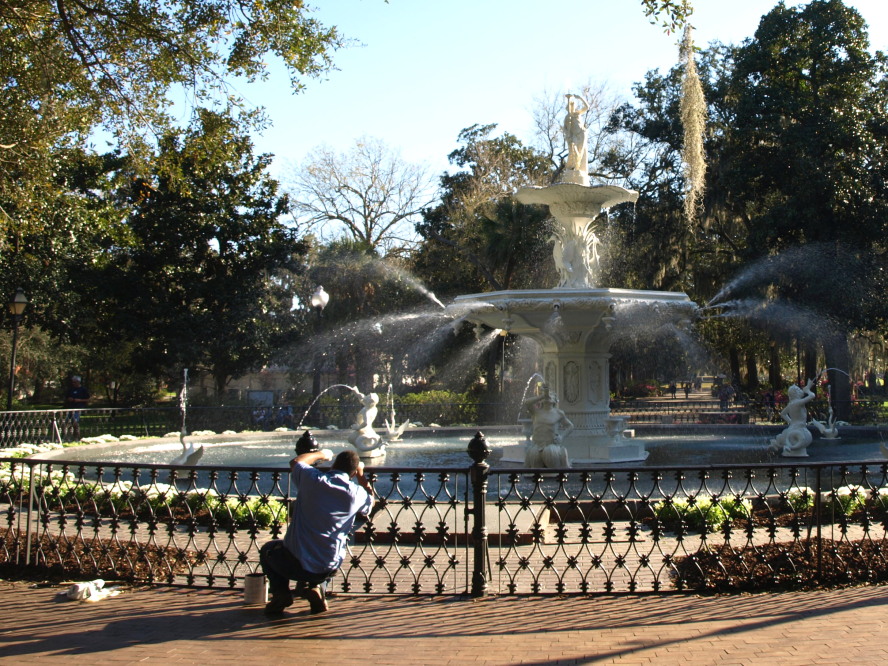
<point>550,426</point>
<point>362,436</point>
<point>577,163</point>
<point>793,442</point>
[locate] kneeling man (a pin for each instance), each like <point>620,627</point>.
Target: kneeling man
<point>313,548</point>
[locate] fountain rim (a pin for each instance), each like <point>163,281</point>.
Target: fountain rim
<point>65,455</point>
<point>565,294</point>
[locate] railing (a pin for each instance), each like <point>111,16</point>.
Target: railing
<point>62,425</point>
<point>474,530</point>
<point>680,411</point>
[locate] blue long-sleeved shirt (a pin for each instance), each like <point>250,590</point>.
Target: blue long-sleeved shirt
<point>325,510</point>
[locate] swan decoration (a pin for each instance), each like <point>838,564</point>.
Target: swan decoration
<point>189,455</point>
<point>393,431</point>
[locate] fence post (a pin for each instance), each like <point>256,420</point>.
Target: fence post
<point>818,516</point>
<point>479,451</point>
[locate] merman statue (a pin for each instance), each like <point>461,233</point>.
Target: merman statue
<point>793,442</point>
<point>362,436</point>
<point>550,426</point>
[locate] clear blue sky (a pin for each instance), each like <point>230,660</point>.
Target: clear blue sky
<point>427,69</point>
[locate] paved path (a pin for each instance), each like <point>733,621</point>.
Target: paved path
<point>174,625</point>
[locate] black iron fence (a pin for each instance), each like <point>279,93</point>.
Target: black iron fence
<point>474,530</point>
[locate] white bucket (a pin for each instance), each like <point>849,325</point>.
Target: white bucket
<point>255,589</point>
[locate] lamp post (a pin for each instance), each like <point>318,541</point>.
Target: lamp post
<point>16,309</point>
<point>319,300</point>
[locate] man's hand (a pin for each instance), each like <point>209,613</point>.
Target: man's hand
<point>327,453</point>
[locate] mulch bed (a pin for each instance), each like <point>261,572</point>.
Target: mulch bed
<point>97,558</point>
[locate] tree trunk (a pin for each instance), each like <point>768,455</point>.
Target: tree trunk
<point>775,376</point>
<point>838,361</point>
<point>752,375</point>
<point>735,366</point>
<point>811,369</point>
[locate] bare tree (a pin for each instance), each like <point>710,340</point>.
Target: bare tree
<point>368,193</point>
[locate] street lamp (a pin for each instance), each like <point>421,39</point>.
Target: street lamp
<point>319,300</point>
<point>16,309</point>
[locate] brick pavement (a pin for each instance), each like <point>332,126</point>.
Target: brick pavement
<point>175,625</point>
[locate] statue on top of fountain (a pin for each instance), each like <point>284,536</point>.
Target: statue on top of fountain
<point>550,426</point>
<point>362,436</point>
<point>793,442</point>
<point>576,168</point>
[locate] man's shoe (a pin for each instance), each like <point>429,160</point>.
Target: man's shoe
<point>278,603</point>
<point>317,599</point>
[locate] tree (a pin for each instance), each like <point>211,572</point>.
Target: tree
<point>672,14</point>
<point>119,60</point>
<point>369,193</point>
<point>796,148</point>
<point>476,235</point>
<point>67,67</point>
<point>207,244</point>
<point>806,158</point>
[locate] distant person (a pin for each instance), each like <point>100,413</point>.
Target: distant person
<point>324,513</point>
<point>770,405</point>
<point>724,396</point>
<point>687,390</point>
<point>77,396</point>
<point>673,389</point>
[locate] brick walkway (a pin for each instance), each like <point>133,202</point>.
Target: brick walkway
<point>171,625</point>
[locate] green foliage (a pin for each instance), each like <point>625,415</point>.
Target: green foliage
<point>847,499</point>
<point>672,14</point>
<point>441,405</point>
<point>118,61</point>
<point>67,68</point>
<point>800,500</point>
<point>206,245</point>
<point>701,514</point>
<point>477,238</point>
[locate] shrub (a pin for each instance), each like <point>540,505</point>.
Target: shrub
<point>646,389</point>
<point>847,499</point>
<point>800,499</point>
<point>702,514</point>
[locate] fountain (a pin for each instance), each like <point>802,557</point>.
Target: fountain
<point>190,455</point>
<point>574,323</point>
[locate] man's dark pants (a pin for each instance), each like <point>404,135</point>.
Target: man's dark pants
<point>281,566</point>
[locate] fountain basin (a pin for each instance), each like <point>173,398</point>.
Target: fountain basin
<point>421,448</point>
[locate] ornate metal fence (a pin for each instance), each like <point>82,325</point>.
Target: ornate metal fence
<point>623,529</point>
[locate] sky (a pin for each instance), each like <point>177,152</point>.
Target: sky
<point>423,70</point>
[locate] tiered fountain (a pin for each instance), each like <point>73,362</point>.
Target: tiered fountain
<point>575,322</point>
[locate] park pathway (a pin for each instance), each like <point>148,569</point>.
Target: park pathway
<point>176,625</point>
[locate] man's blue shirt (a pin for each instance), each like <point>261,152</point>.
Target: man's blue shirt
<point>325,510</point>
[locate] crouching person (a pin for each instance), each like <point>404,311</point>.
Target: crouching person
<point>314,546</point>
